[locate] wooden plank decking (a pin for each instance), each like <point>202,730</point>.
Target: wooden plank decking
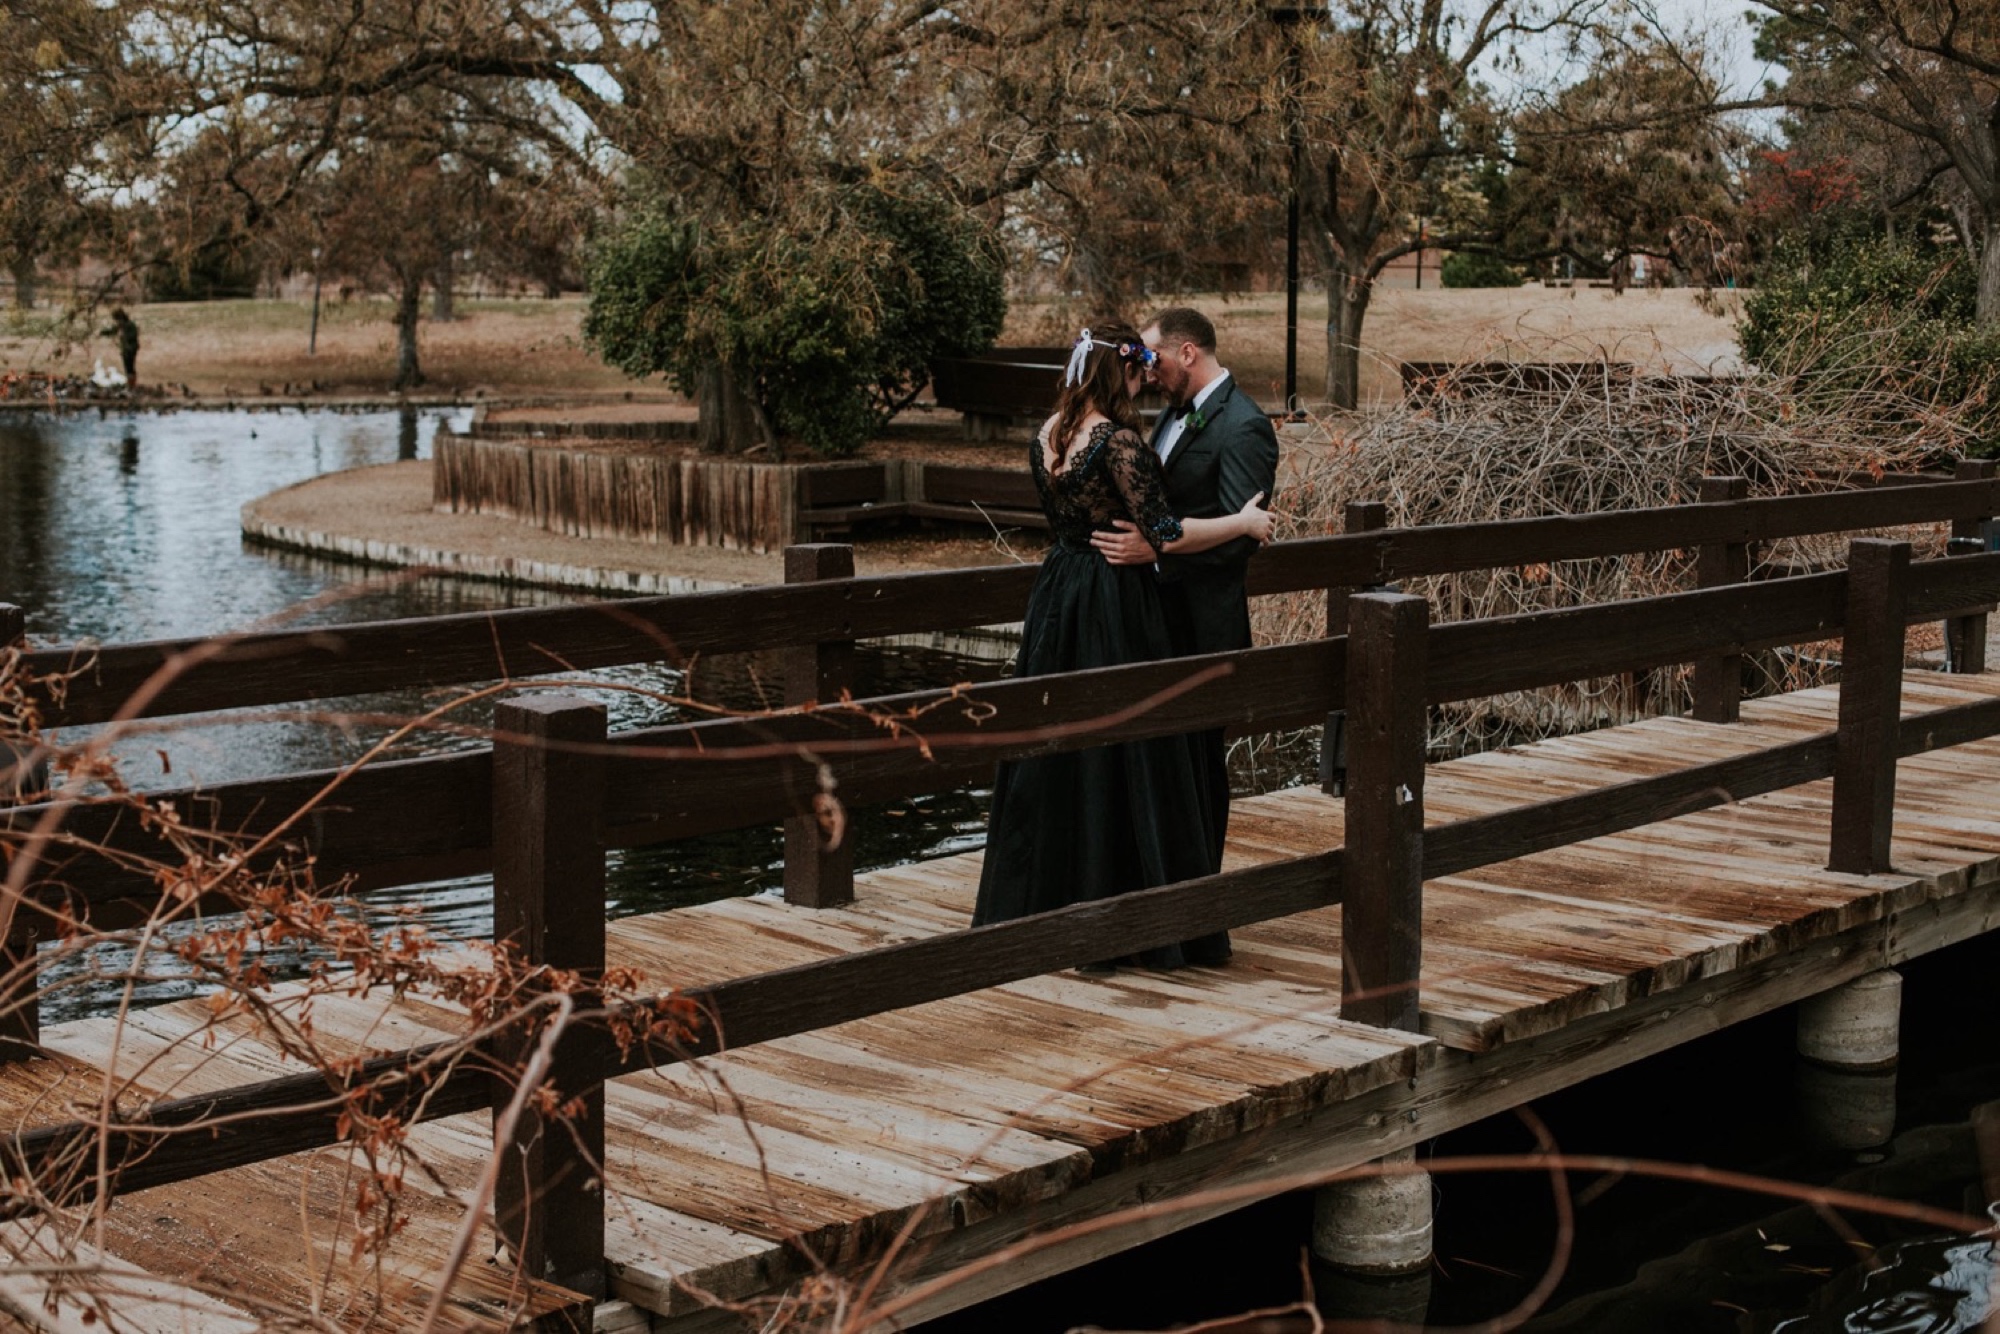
<point>972,1122</point>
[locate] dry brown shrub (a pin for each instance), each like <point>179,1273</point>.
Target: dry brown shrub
<point>245,923</point>
<point>1595,441</point>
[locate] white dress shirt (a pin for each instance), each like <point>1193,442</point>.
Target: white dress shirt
<point>1172,434</point>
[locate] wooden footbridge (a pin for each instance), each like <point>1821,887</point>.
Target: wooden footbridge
<point>863,1102</point>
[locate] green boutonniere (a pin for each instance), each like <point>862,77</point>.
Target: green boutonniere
<point>1192,423</point>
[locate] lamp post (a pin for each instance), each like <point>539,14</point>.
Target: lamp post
<point>312,332</point>
<point>1289,17</point>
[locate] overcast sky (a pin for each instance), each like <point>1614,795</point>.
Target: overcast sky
<point>1732,34</point>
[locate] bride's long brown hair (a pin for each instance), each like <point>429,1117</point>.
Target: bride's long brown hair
<point>1102,389</point>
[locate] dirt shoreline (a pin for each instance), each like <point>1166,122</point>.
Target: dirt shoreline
<point>164,406</point>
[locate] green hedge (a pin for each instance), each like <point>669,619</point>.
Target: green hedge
<point>1867,312</point>
<point>1465,268</point>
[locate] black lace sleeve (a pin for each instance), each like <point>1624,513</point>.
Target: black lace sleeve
<point>1135,470</point>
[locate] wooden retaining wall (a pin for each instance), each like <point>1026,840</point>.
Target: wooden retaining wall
<point>643,497</point>
<point>720,502</point>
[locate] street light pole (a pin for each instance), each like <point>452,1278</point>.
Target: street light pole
<point>1292,300</point>
<point>1289,18</point>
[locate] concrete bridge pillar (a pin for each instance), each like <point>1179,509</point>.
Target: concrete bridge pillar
<point>1378,1224</point>
<point>1850,1037</point>
<point>1855,1026</point>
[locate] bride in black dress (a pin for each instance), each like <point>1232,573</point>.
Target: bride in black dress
<point>1092,823</point>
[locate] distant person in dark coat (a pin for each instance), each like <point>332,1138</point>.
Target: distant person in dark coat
<point>126,330</point>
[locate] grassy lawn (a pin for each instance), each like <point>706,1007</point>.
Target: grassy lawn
<point>526,348</point>
<point>1664,330</point>
<point>508,348</point>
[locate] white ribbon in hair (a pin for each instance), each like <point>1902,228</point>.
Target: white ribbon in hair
<point>1078,355</point>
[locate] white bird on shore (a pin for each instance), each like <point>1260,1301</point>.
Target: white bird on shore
<point>106,377</point>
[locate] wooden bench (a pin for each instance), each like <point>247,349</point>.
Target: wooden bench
<point>1000,388</point>
<point>835,497</point>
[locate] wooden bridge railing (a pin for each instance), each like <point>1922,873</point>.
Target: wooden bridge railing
<point>526,807</point>
<point>276,667</point>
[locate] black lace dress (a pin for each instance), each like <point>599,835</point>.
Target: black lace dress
<point>1092,823</point>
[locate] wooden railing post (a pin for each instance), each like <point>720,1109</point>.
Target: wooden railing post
<point>1965,636</point>
<point>548,901</point>
<point>20,998</point>
<point>1381,929</point>
<point>817,876</point>
<point>1871,698</point>
<point>1718,681</point>
<point>1360,516</point>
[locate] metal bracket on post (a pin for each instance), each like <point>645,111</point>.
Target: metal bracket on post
<point>1965,636</point>
<point>1381,928</point>
<point>1871,696</point>
<point>1360,516</point>
<point>548,900</point>
<point>1718,680</point>
<point>817,876</point>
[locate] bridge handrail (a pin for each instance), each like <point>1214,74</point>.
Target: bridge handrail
<point>408,821</point>
<point>287,666</point>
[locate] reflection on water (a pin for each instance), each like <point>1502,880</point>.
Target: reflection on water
<point>1846,1109</point>
<point>1933,1286</point>
<point>126,527</point>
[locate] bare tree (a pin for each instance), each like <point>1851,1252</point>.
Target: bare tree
<point>416,184</point>
<point>1625,162</point>
<point>60,67</point>
<point>1384,96</point>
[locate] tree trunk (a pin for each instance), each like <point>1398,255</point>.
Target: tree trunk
<point>1347,302</point>
<point>1987,312</point>
<point>442,309</point>
<point>24,281</point>
<point>408,374</point>
<point>726,418</point>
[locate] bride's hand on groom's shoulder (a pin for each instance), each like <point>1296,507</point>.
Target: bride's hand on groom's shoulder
<point>1126,546</point>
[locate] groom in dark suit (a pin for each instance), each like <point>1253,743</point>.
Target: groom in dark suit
<point>1218,450</point>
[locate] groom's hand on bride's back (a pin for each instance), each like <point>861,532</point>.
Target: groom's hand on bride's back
<point>1126,546</point>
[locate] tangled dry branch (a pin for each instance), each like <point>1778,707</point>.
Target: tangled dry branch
<point>1589,439</point>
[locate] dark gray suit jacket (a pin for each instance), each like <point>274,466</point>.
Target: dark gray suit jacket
<point>1211,473</point>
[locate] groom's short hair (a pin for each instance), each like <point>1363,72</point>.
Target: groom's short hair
<point>1184,324</point>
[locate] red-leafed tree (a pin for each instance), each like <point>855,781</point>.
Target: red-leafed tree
<point>1921,78</point>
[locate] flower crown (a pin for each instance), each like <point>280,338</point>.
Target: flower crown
<point>1079,355</point>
